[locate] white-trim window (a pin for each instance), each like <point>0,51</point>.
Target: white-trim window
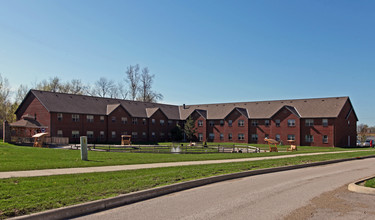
<point>277,137</point>
<point>144,134</point>
<point>254,122</point>
<point>309,122</point>
<point>241,136</point>
<point>277,122</point>
<point>325,122</point>
<point>230,136</point>
<point>124,120</point>
<point>59,116</point>
<point>200,137</point>
<point>211,123</point>
<point>230,122</point>
<point>134,134</point>
<point>221,122</point>
<point>143,121</point>
<point>241,123</point>
<point>101,135</point>
<point>90,134</point>
<point>291,123</point>
<point>75,134</point>
<point>309,138</point>
<point>90,118</point>
<point>75,118</point>
<point>266,136</point>
<point>162,134</point>
<point>101,118</point>
<point>200,123</point>
<point>153,121</point>
<point>325,139</point>
<point>59,133</point>
<point>254,137</point>
<point>113,118</point>
<point>267,122</point>
<point>211,136</point>
<point>153,134</point>
<point>113,134</point>
<point>291,137</point>
<point>170,122</point>
<point>162,122</point>
<point>135,121</point>
<point>221,136</point>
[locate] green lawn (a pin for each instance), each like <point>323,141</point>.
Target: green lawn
<point>19,196</point>
<point>370,183</point>
<point>14,157</point>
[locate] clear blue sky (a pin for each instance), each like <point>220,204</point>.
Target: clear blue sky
<point>201,51</point>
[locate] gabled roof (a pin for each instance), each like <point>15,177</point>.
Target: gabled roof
<point>290,108</point>
<point>81,104</point>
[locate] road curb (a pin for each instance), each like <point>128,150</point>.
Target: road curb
<point>356,187</point>
<point>103,204</point>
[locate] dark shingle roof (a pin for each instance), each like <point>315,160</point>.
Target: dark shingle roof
<point>304,108</point>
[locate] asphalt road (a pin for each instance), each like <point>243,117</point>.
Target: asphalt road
<point>294,194</point>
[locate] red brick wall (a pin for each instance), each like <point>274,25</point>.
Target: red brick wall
<point>343,129</point>
<point>34,108</point>
<point>318,131</point>
<point>200,129</point>
<point>284,130</point>
<point>158,128</point>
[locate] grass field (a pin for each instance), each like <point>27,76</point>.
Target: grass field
<point>370,183</point>
<point>13,158</point>
<point>28,158</point>
<point>21,196</point>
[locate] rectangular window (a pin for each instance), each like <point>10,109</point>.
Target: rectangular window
<point>221,136</point>
<point>291,137</point>
<point>153,121</point>
<point>277,137</point>
<point>325,122</point>
<point>170,122</point>
<point>90,134</point>
<point>200,137</point>
<point>277,122</point>
<point>211,123</point>
<point>309,138</point>
<point>230,136</point>
<point>241,137</point>
<point>124,120</point>
<point>221,122</point>
<point>200,123</point>
<point>254,137</point>
<point>59,116</point>
<point>59,133</point>
<point>101,118</point>
<point>113,134</point>
<point>309,122</point>
<point>134,134</point>
<point>124,133</point>
<point>144,134</point>
<point>325,139</point>
<point>169,135</point>
<point>162,134</point>
<point>90,118</point>
<point>291,123</point>
<point>153,134</point>
<point>75,118</point>
<point>267,123</point>
<point>230,122</point>
<point>162,122</point>
<point>135,121</point>
<point>75,134</point>
<point>144,121</point>
<point>266,136</point>
<point>113,118</point>
<point>101,135</point>
<point>254,122</point>
<point>241,123</point>
<point>211,136</point>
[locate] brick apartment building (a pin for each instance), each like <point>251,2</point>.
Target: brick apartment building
<point>310,122</point>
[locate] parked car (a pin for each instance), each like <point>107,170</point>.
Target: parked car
<point>359,143</point>
<point>367,143</point>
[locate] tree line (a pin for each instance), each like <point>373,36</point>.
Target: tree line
<point>136,85</point>
<point>363,131</point>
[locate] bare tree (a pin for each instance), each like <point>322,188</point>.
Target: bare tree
<point>145,92</point>
<point>52,85</point>
<point>132,78</point>
<point>362,130</point>
<point>122,92</point>
<point>21,93</point>
<point>103,87</point>
<point>5,103</point>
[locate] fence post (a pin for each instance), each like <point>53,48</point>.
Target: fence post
<point>83,148</point>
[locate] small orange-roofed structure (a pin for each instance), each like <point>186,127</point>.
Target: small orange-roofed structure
<point>39,139</point>
<point>293,146</point>
<point>126,139</point>
<point>272,141</point>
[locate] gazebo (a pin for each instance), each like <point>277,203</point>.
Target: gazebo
<point>25,128</point>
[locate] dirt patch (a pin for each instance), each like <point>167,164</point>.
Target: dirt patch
<point>337,204</point>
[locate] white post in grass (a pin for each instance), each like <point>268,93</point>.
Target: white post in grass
<point>84,148</point>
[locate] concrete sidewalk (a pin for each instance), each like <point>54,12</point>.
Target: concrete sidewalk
<point>49,172</point>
